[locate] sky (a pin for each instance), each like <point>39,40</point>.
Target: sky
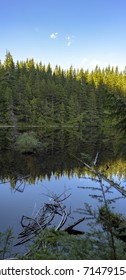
<point>81,33</point>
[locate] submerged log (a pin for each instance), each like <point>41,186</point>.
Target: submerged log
<point>70,229</point>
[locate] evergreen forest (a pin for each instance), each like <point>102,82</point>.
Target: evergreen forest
<point>32,94</point>
<point>63,123</point>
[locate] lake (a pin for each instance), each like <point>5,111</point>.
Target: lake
<point>27,181</point>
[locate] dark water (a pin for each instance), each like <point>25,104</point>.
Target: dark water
<point>29,180</point>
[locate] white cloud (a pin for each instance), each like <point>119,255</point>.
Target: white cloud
<point>91,63</point>
<point>69,40</point>
<point>54,35</point>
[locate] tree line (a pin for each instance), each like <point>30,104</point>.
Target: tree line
<point>34,94</point>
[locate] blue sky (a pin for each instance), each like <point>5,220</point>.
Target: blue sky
<point>81,33</point>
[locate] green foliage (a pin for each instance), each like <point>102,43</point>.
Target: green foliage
<point>51,244</point>
<point>33,94</point>
<point>27,142</point>
<point>6,240</point>
<point>115,221</point>
<point>59,245</point>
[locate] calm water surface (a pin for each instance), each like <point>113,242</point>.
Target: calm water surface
<point>54,170</point>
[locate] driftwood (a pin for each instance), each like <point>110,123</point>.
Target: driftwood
<point>44,218</point>
<point>70,229</point>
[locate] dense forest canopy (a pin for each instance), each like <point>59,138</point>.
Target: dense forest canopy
<point>34,94</point>
<point>87,107</point>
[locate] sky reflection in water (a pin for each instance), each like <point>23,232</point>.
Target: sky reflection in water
<point>14,204</point>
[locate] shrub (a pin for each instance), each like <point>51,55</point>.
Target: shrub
<point>27,142</point>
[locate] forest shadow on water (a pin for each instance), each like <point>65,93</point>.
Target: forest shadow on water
<point>72,180</point>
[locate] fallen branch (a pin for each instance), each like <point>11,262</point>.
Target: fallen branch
<point>102,176</point>
<point>43,219</point>
<point>96,158</point>
<point>70,229</point>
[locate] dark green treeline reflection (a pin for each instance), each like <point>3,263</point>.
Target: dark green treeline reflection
<point>57,152</point>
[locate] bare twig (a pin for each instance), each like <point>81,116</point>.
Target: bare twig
<point>43,218</point>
